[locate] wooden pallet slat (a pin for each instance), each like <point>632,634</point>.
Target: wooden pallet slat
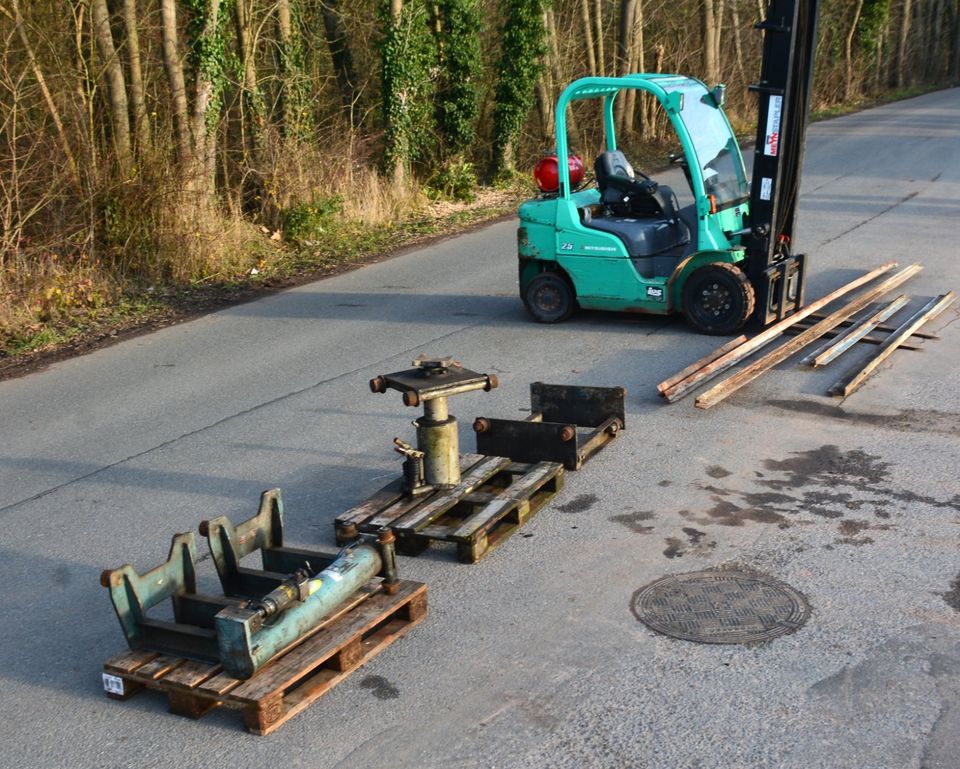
<point>513,495</point>
<point>932,309</point>
<point>494,498</point>
<point>712,366</point>
<point>854,333</point>
<point>753,370</point>
<point>129,661</point>
<point>440,503</point>
<point>291,682</point>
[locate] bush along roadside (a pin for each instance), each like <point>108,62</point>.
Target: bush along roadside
<point>78,307</point>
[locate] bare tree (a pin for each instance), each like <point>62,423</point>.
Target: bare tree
<point>141,123</point>
<point>38,75</point>
<point>903,40</point>
<point>339,45</point>
<point>588,36</point>
<point>636,65</point>
<point>598,36</point>
<point>624,55</point>
<point>116,84</point>
<point>173,63</point>
<point>852,88</point>
<point>712,23</point>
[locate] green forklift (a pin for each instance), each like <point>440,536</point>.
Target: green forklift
<point>625,244</point>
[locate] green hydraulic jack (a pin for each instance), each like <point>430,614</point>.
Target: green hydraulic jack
<point>263,612</point>
<point>470,500</point>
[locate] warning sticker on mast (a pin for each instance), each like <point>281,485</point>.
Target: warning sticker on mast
<point>771,142</point>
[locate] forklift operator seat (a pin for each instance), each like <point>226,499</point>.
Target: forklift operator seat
<point>623,194</point>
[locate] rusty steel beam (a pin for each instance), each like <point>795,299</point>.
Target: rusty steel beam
<point>718,365</point>
<point>888,329</point>
<point>869,339</point>
<point>853,334</point>
<point>743,377</point>
<point>932,309</point>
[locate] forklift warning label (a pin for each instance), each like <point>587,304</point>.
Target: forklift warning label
<point>766,187</point>
<point>771,143</point>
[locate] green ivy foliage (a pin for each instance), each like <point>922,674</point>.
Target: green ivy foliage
<point>873,20</point>
<point>522,36</point>
<point>296,88</point>
<point>408,54</point>
<point>208,53</point>
<point>461,69</point>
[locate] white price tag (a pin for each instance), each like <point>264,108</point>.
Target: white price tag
<point>113,684</point>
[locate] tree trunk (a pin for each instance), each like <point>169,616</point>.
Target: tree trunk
<point>955,48</point>
<point>293,103</point>
<point>178,89</point>
<point>712,23</point>
<point>709,26</point>
<point>252,116</point>
<point>650,116</point>
<point>548,79</point>
<point>903,41</point>
<point>340,55</point>
<point>205,139</point>
<point>636,65</point>
<point>116,85</point>
<point>852,89</point>
<point>624,57</point>
<point>588,36</point>
<point>141,123</point>
<point>737,42</point>
<point>937,53</point>
<point>400,160</point>
<point>598,36</point>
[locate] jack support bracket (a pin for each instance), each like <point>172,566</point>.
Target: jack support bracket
<point>567,424</point>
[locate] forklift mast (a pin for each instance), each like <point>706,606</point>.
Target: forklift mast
<point>777,273</point>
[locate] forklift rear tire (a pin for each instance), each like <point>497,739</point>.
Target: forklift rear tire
<point>717,299</point>
<point>549,298</point>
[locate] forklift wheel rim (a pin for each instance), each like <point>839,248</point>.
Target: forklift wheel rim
<point>718,298</point>
<point>549,298</point>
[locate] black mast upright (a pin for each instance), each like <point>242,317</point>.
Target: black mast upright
<point>777,273</point>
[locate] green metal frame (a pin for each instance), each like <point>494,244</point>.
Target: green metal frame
<point>230,629</point>
<point>552,235</point>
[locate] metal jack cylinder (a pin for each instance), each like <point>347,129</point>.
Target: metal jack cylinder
<point>247,642</point>
<point>430,383</point>
<point>439,440</point>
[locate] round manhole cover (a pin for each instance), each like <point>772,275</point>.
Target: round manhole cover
<point>720,607</point>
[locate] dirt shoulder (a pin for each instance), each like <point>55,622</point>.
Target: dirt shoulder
<point>179,305</point>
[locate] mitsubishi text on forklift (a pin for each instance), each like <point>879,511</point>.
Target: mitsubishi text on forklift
<point>626,244</point>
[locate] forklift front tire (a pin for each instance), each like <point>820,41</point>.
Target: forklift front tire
<point>717,299</point>
<point>549,298</point>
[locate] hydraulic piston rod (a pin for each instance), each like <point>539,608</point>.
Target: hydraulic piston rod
<point>251,634</point>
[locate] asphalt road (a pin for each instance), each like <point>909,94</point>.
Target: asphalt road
<point>531,658</point>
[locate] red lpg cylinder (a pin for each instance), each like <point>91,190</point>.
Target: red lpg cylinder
<point>547,172</point>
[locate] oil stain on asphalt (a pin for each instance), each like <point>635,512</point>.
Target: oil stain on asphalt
<point>694,544</point>
<point>826,482</point>
<point>578,504</point>
<point>634,521</point>
<point>382,689</point>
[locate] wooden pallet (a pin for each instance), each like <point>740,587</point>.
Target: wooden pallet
<point>288,684</point>
<point>494,498</point>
